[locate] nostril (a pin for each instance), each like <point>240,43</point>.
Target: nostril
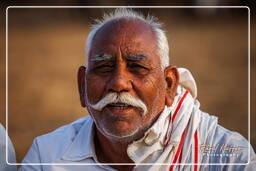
<point>112,91</point>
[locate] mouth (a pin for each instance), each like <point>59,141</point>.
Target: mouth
<point>118,105</point>
<point>119,108</point>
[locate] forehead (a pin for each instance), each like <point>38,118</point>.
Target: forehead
<point>125,35</point>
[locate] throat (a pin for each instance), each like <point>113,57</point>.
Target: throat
<point>110,152</point>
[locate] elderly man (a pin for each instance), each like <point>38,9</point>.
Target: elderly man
<point>143,112</point>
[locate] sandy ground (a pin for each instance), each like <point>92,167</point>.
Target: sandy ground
<point>43,63</point>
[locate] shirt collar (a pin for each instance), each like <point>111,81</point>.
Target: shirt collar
<point>82,146</point>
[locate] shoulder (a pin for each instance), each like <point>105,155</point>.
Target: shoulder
<point>49,147</point>
<point>3,145</point>
<point>10,150</point>
<point>214,133</point>
<point>230,146</point>
<point>67,132</point>
<point>229,137</point>
<point>2,137</point>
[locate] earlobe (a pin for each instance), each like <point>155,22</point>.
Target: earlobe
<point>81,75</point>
<point>172,81</point>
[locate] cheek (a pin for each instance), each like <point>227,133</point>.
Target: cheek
<point>152,92</point>
<point>95,87</point>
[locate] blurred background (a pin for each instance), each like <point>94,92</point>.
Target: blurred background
<point>46,48</point>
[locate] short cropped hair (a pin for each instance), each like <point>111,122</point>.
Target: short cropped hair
<point>124,13</point>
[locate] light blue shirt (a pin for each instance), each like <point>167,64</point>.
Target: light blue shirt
<point>11,153</point>
<point>73,144</point>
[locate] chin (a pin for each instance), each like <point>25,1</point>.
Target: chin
<point>120,128</point>
<point>125,137</point>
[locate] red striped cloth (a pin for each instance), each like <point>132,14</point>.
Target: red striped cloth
<point>180,109</point>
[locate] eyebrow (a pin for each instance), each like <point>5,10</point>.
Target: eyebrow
<point>101,57</point>
<point>135,57</point>
<point>106,57</point>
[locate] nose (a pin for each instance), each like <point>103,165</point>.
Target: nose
<point>120,81</point>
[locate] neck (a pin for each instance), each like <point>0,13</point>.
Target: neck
<point>109,151</point>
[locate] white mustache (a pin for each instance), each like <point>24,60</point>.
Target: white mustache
<point>119,98</point>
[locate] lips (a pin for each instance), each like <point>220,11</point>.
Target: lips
<point>119,108</point>
<point>118,105</point>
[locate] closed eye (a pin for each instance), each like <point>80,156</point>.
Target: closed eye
<point>137,66</point>
<point>103,68</point>
<point>138,69</point>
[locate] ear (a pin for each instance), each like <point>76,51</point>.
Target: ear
<point>81,84</point>
<point>172,80</point>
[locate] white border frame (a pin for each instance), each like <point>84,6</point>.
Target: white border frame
<point>168,164</point>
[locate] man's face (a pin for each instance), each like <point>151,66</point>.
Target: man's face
<point>124,59</point>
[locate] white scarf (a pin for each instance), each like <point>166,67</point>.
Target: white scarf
<point>174,137</point>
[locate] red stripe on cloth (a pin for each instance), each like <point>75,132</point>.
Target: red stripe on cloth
<point>179,105</point>
<point>174,115</point>
<point>178,151</point>
<point>196,150</point>
<point>180,157</point>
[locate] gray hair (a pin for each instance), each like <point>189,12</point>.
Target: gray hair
<point>124,13</point>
